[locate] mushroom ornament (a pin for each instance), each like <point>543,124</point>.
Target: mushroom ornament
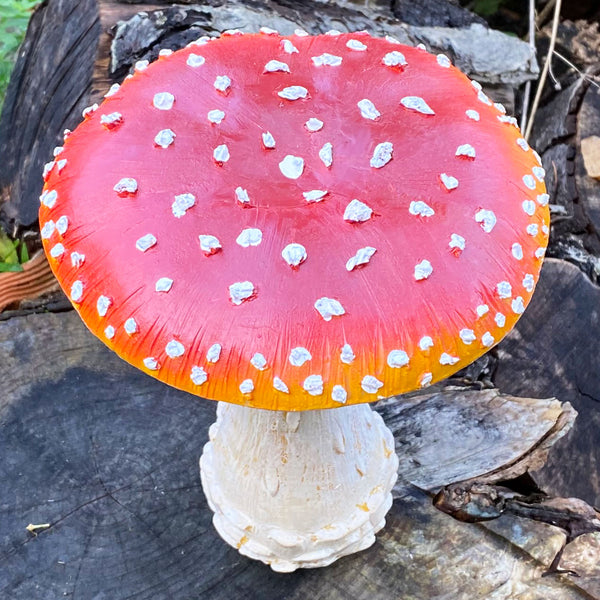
<point>297,226</point>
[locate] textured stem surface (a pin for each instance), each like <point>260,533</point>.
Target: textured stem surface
<point>298,489</point>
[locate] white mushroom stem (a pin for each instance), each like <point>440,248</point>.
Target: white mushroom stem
<point>298,489</point>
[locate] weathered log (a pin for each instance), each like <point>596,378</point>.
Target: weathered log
<point>108,458</point>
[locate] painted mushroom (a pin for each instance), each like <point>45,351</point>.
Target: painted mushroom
<point>296,224</point>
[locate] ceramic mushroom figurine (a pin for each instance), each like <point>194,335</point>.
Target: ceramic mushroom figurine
<point>297,226</point>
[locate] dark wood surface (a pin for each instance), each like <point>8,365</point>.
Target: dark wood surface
<point>108,457</point>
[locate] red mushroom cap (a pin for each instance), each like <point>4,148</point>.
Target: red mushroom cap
<point>297,222</point>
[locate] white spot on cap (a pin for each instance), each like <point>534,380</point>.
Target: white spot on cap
<point>141,65</point>
<point>57,250</point>
<point>62,224</point>
<point>333,32</point>
<point>529,181</point>
<point>164,138</point>
<point>539,173</point>
<point>487,219</point>
<point>457,243</point>
<point>425,342</point>
<point>222,83</point>
<point>215,116</point>
<point>543,199</point>
<point>368,110</point>
<point>242,195</point>
<point>221,154</point>
<point>182,203</point>
<point>111,120</point>
<point>357,212</point>
<point>522,143</point>
<point>327,60</point>
<point>529,207</point>
<point>392,40</point>
<point>294,254</point>
<point>268,140</point>
<point>449,182</point>
<point>508,120</point>
<point>49,198</point>
<point>280,386</point>
<point>328,308</point>
<point>483,98</point>
<point>443,61</point>
<point>174,349</point>
<point>276,65</point>
<point>423,270</point>
<point>164,284</point>
<point>131,326</point>
<point>426,379</point>
<point>539,253</point>
<point>500,320</point>
<point>214,353</point>
<point>487,339</point>
<point>77,259</point>
<point>60,164</point>
<point>89,111</point>
<point>417,104</point>
<point>76,291</point>
<point>339,394</point>
<point>472,114</point>
<point>102,305</point>
<point>299,355</point>
<point>47,168</point>
<point>249,237</point>
<point>313,124</point>
<point>247,386</point>
<point>504,289</point>
<point>126,185</point>
<point>114,88</point>
<point>482,309</point>
<point>326,154</point>
<point>362,257</point>
<point>241,291</point>
<point>420,209</point>
<point>529,282</point>
<point>292,166</point>
<point>258,361</point>
<point>500,107</point>
<point>517,251</point>
<point>151,363</point>
<point>467,336</point>
<point>394,59</point>
<point>448,359</point>
<point>48,229</point>
<point>347,354</point>
<point>397,359</point>
<point>293,92</point>
<point>268,31</point>
<point>517,305</point>
<point>198,375</point>
<point>145,242</point>
<point>109,332</point>
<point>209,244</point>
<point>288,47</point>
<point>315,195</point>
<point>195,60</point>
<point>163,101</point>
<point>356,45</point>
<point>465,150</point>
<point>371,384</point>
<point>532,229</point>
<point>382,155</point>
<point>313,384</point>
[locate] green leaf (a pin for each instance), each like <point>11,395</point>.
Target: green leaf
<point>24,254</point>
<point>6,268</point>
